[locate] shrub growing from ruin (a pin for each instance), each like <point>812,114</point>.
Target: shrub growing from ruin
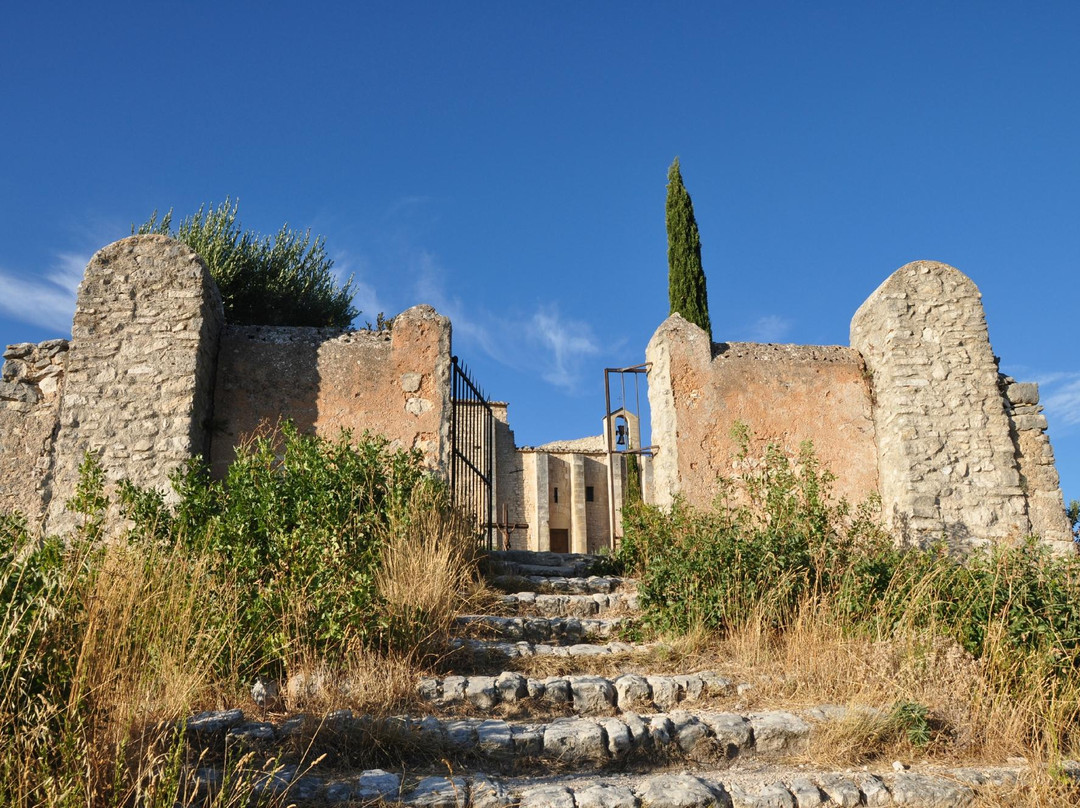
<point>776,542</point>
<point>687,294</point>
<point>297,525</point>
<point>313,555</point>
<point>284,280</point>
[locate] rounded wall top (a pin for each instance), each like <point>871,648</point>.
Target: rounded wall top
<point>929,281</point>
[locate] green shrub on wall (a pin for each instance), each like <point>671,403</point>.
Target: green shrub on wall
<point>286,280</point>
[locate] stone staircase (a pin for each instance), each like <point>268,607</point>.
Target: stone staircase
<point>496,734</point>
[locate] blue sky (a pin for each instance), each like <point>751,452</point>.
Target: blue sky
<point>506,163</point>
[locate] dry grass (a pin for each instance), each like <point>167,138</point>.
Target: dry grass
<point>139,650</point>
<point>975,714</point>
<point>146,636</point>
<point>427,576</point>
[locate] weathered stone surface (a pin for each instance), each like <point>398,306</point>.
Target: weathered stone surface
<point>605,796</point>
<point>946,458</point>
<point>922,791</point>
<point>805,792</point>
<point>691,735</point>
<point>453,690</point>
<point>139,375</point>
<point>548,796</point>
<point>639,730</point>
<point>215,720</point>
<point>493,738</point>
<point>681,791</point>
<point>732,732</point>
<point>875,794</point>
<point>480,692</point>
<point>633,692</point>
<point>1035,459</point>
<point>592,695</point>
<point>325,380</point>
<point>619,739</point>
<point>779,732</point>
<point>841,790</point>
<point>484,793</point>
<point>372,784</point>
<point>439,792</point>
<point>575,741</point>
<point>661,730</point>
<point>511,687</point>
<point>771,796</point>
<point>666,692</point>
<point>30,394</point>
<point>461,734</point>
<point>698,390</point>
<point>528,740</point>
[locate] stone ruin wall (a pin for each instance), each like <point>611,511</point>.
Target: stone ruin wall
<point>785,394</point>
<point>139,376</point>
<point>153,377</point>
<point>30,388</point>
<point>1035,456</point>
<point>509,494</point>
<point>954,450</point>
<point>948,451</point>
<point>394,383</point>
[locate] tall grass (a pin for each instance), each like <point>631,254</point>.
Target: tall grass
<point>791,580</point>
<point>299,564</point>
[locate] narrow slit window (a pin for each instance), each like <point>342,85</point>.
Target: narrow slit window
<point>589,495</point>
<point>556,493</point>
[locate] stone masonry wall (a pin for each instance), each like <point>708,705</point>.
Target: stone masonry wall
<point>510,509</point>
<point>946,458</point>
<point>139,375</point>
<point>784,393</point>
<point>394,383</point>
<point>1038,474</point>
<point>30,388</point>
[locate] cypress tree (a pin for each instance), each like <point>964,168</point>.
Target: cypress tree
<point>686,278</point>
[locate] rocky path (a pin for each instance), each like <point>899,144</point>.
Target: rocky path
<point>499,732</point>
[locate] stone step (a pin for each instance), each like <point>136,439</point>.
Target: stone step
<point>545,559</point>
<point>586,695</point>
<point>529,563</point>
<point>530,603</point>
<point>955,787</point>
<point>583,743</point>
<point>563,585</point>
<point>558,630</point>
<point>511,650</point>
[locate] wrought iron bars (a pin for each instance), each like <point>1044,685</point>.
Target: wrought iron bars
<point>472,454</point>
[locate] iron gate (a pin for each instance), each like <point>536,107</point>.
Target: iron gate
<point>472,452</point>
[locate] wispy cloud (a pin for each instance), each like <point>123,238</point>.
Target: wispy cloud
<point>543,341</point>
<point>47,301</point>
<point>770,328</point>
<point>564,345</point>
<point>1061,397</point>
<point>365,296</point>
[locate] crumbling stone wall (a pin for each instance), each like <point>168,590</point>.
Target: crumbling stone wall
<point>913,410</point>
<point>787,394</point>
<point>394,383</point>
<point>140,371</point>
<point>1035,458</point>
<point>947,461</point>
<point>510,510</point>
<point>30,388</point>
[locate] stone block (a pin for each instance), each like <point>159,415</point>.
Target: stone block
<point>575,742</point>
